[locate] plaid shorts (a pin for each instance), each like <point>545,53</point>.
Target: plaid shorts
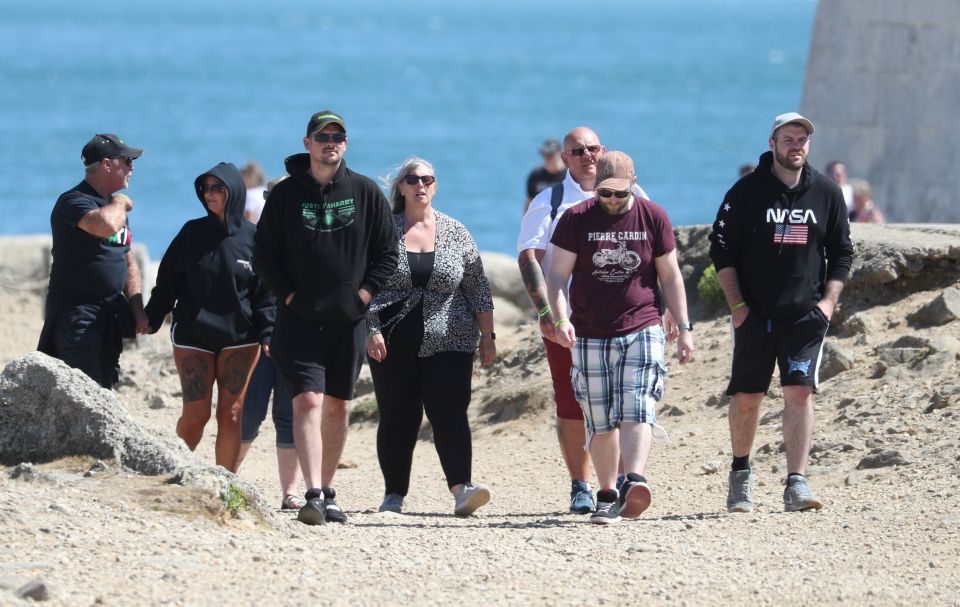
<point>619,379</point>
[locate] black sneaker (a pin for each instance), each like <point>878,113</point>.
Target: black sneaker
<point>312,512</point>
<point>331,511</point>
<point>634,496</point>
<point>607,512</point>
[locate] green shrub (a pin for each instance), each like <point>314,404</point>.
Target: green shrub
<point>708,287</point>
<point>235,499</point>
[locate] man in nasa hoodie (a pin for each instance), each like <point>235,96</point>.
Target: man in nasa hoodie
<point>781,246</point>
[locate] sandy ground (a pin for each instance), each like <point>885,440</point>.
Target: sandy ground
<point>887,536</point>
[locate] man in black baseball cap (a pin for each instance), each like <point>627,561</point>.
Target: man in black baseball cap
<point>321,119</point>
<point>107,145</point>
<point>325,246</point>
<point>95,293</point>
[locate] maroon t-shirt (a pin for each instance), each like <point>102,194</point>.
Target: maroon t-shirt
<point>614,288</point>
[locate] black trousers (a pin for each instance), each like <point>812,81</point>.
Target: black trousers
<point>407,386</point>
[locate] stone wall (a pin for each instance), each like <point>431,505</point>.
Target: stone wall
<point>883,89</point>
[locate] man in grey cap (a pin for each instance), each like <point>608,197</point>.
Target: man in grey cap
<point>781,246</point>
<point>552,171</point>
<point>94,298</point>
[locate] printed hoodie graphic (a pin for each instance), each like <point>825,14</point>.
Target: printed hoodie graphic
<point>785,243</point>
<point>206,275</point>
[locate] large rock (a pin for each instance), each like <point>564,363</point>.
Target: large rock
<point>49,411</point>
<point>835,360</point>
<point>942,309</point>
<point>504,277</point>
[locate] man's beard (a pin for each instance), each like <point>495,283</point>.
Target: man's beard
<point>784,161</point>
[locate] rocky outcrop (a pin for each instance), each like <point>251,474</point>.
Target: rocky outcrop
<point>504,277</point>
<point>50,411</point>
<point>890,262</point>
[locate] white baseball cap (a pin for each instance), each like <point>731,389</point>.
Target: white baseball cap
<point>791,118</point>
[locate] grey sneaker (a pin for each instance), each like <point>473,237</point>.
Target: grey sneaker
<point>392,502</point>
<point>471,497</point>
<point>740,491</point>
<point>607,511</point>
<point>797,497</point>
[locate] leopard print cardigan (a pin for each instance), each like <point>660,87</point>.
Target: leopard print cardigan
<point>456,290</point>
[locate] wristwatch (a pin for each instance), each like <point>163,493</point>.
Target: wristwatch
<point>491,335</point>
<point>685,325</point>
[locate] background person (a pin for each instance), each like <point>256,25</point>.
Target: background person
<point>864,209</point>
<point>264,382</point>
<point>425,327</point>
<point>837,171</point>
<point>94,297</point>
<point>253,179</point>
<point>550,172</point>
<point>221,311</point>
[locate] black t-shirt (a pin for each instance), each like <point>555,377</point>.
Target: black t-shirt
<point>540,179</point>
<point>86,268</point>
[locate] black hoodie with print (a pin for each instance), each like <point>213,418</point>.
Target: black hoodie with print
<point>206,275</point>
<point>324,243</point>
<point>784,243</point>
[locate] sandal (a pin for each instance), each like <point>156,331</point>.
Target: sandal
<point>292,502</point>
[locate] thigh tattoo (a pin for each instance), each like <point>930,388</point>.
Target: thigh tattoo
<point>236,368</point>
<point>194,371</point>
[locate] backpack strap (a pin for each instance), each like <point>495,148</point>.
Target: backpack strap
<point>556,197</point>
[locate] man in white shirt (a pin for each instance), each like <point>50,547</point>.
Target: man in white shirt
<point>581,150</point>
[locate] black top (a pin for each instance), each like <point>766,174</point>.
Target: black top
<point>540,179</point>
<point>86,268</point>
<point>325,242</point>
<point>421,267</point>
<point>206,275</point>
<point>785,243</point>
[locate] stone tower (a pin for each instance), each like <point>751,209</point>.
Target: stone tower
<point>883,89</point>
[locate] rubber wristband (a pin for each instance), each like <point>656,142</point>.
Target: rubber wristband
<point>734,307</point>
<point>544,311</point>
<point>560,322</point>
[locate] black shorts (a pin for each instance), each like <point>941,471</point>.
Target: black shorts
<point>795,345</point>
<point>182,337</point>
<point>318,356</point>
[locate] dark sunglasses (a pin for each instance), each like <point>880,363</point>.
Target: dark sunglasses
<point>605,193</point>
<point>413,179</point>
<point>593,149</point>
<point>213,187</point>
<point>334,137</point>
<point>125,160</point>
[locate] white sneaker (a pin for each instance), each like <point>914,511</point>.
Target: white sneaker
<point>471,497</point>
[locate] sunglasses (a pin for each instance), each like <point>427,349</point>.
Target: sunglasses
<point>124,160</point>
<point>213,187</point>
<point>605,193</point>
<point>334,137</point>
<point>593,149</point>
<point>414,179</point>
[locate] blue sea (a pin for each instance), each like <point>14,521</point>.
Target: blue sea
<point>687,87</point>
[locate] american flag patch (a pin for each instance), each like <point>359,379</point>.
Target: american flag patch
<point>790,233</point>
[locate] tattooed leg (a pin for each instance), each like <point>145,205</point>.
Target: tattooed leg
<point>234,368</point>
<point>196,370</point>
